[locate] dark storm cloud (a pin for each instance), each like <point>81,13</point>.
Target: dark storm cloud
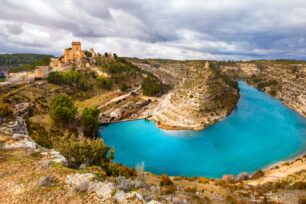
<point>216,29</point>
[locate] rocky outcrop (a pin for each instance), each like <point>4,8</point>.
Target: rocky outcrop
<point>197,101</point>
<point>105,190</point>
<point>200,96</point>
<point>284,81</point>
<point>15,136</point>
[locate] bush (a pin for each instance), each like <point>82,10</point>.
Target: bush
<point>203,180</point>
<point>165,180</point>
<point>150,87</point>
<point>122,87</point>
<point>301,185</point>
<point>191,189</point>
<point>85,151</point>
<point>89,121</point>
<point>62,110</point>
<point>168,189</point>
<point>302,200</point>
<point>258,174</point>
<point>6,111</point>
<point>105,83</point>
<point>40,135</point>
<point>76,79</point>
<point>113,169</point>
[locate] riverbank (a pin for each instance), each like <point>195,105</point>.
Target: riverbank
<point>28,176</point>
<point>280,170</point>
<point>200,95</point>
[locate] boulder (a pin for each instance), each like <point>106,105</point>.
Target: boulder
<point>56,157</point>
<point>242,176</point>
<point>46,181</point>
<point>25,143</point>
<point>102,189</point>
<point>18,136</point>
<point>19,127</point>
<point>138,183</point>
<point>120,197</point>
<point>80,182</point>
<point>23,109</point>
<point>123,183</point>
<point>134,197</point>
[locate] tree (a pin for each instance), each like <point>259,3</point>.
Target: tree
<point>89,121</point>
<point>150,86</point>
<point>62,110</point>
<point>5,111</point>
<point>85,151</point>
<point>105,83</point>
<point>123,87</point>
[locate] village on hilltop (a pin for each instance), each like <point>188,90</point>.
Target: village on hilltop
<point>74,55</point>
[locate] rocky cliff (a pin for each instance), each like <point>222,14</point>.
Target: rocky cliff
<point>200,96</point>
<point>284,80</point>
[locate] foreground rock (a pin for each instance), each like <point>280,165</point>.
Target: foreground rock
<point>16,136</point>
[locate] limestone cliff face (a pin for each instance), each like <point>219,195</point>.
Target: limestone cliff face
<point>200,96</point>
<point>284,81</point>
<point>198,102</point>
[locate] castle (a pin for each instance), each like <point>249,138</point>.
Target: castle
<point>74,53</point>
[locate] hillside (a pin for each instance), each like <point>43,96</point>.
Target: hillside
<point>22,61</point>
<point>200,96</point>
<point>31,174</point>
<point>283,80</point>
<point>41,162</point>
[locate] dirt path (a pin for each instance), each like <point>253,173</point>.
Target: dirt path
<point>119,98</point>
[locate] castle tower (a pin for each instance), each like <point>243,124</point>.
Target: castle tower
<point>73,53</point>
<point>76,46</point>
<point>66,55</point>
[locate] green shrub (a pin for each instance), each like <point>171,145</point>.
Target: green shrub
<point>62,110</point>
<point>113,169</point>
<point>258,174</point>
<point>150,86</point>
<point>77,79</point>
<point>89,121</point>
<point>85,151</point>
<point>40,135</point>
<point>301,185</point>
<point>6,111</point>
<point>105,83</point>
<point>123,87</point>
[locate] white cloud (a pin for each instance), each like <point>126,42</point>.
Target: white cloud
<point>214,29</point>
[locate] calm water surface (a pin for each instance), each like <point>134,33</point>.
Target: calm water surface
<point>260,132</point>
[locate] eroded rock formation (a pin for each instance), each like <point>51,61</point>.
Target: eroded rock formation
<point>200,95</point>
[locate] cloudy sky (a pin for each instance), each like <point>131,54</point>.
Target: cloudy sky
<point>178,29</point>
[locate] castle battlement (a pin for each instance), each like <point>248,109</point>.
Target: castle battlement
<point>74,53</point>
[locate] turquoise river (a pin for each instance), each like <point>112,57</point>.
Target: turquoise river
<point>260,132</point>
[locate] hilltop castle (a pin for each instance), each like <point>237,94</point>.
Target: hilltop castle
<point>74,53</point>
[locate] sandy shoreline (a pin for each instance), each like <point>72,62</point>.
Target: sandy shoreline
<point>281,170</point>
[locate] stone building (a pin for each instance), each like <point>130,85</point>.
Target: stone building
<point>74,53</point>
